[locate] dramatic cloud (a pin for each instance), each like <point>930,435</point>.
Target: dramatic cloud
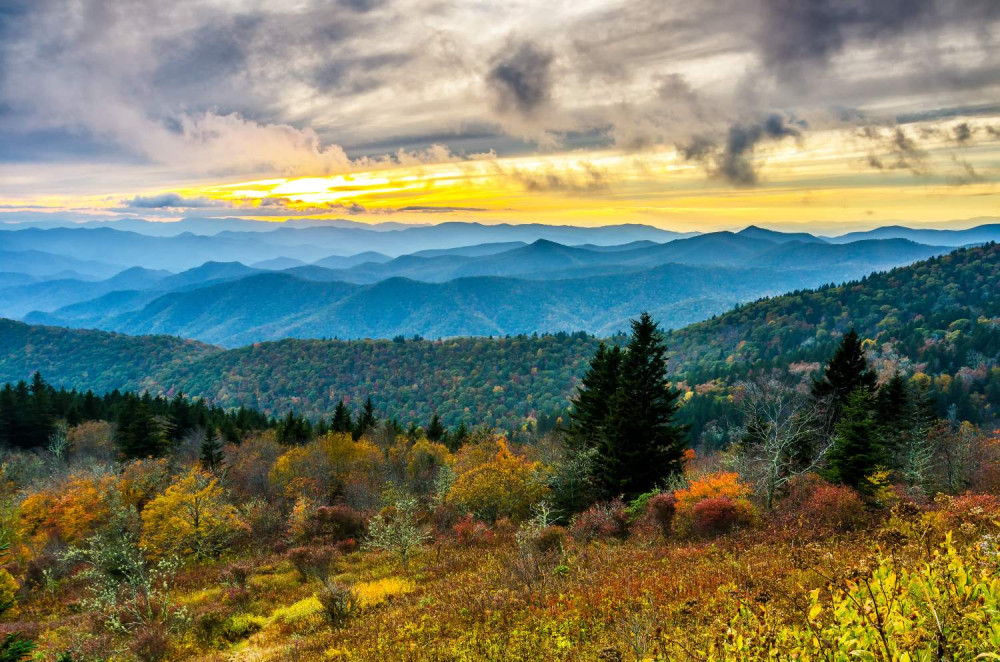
<point>521,79</point>
<point>734,161</point>
<point>195,89</point>
<point>894,149</point>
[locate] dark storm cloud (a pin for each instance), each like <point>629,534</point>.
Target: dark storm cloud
<point>521,78</point>
<point>963,133</point>
<point>734,161</point>
<point>796,33</point>
<point>588,178</point>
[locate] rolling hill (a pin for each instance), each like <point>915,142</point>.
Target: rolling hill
<point>940,317</point>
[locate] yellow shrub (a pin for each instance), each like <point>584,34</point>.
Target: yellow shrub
<point>376,592</point>
<point>8,591</point>
<point>308,609</point>
<point>190,519</point>
<point>506,486</point>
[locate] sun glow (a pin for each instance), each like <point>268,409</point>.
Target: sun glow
<point>825,179</point>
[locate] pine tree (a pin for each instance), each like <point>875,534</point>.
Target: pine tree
<point>857,448</point>
<point>139,434</point>
<point>41,420</point>
<point>893,409</point>
<point>847,371</point>
<point>294,429</point>
<point>641,443</point>
<point>211,450</point>
<point>593,400</point>
<point>435,430</point>
<point>341,418</point>
<point>367,421</point>
<point>455,440</point>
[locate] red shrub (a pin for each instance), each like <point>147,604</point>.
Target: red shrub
<point>346,546</point>
<point>601,521</point>
<point>971,513</point>
<point>470,532</point>
<point>834,508</point>
<point>719,515</point>
<point>661,510</point>
<point>818,506</point>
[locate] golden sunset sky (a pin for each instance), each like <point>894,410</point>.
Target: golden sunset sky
<point>817,114</point>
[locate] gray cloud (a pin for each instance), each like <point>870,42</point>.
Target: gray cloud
<point>240,86</point>
<point>894,149</point>
<point>521,78</point>
<point>733,161</point>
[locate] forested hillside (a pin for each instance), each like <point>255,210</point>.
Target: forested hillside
<point>938,317</point>
<point>501,381</point>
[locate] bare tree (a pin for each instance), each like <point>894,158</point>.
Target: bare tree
<point>781,436</point>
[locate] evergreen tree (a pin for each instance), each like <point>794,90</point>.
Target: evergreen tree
<point>40,422</point>
<point>139,434</point>
<point>435,430</point>
<point>893,409</point>
<point>593,400</point>
<point>455,440</point>
<point>857,446</point>
<point>294,429</point>
<point>641,443</point>
<point>367,421</point>
<point>211,450</point>
<point>846,372</point>
<point>341,418</point>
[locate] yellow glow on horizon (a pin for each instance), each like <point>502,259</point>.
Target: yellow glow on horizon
<point>821,179</point>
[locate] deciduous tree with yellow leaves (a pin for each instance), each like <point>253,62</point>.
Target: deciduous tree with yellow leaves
<point>191,519</point>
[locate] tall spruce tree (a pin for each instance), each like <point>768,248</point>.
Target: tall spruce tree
<point>41,420</point>
<point>139,433</point>
<point>847,371</point>
<point>894,412</point>
<point>341,421</point>
<point>367,421</point>
<point>858,447</point>
<point>435,429</point>
<point>211,450</point>
<point>592,403</point>
<point>641,443</point>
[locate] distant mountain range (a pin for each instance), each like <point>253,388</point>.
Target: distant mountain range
<point>307,279</point>
<point>938,316</point>
<point>542,286</point>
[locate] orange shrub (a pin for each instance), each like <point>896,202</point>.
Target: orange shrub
<point>141,480</point>
<point>69,512</point>
<point>713,486</point>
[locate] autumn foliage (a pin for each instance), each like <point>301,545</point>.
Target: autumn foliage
<point>508,485</point>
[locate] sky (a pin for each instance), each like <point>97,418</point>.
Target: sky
<point>819,114</point>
